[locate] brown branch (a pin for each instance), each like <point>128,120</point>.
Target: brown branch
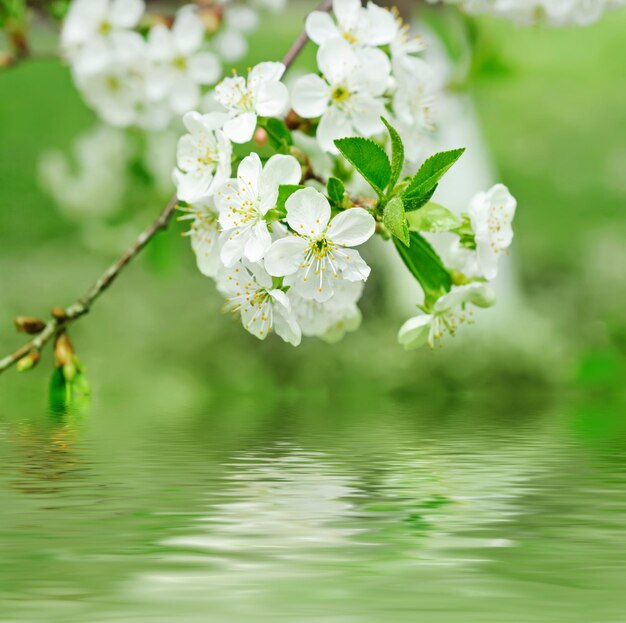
<point>63,318</point>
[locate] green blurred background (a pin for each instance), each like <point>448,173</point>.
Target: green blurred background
<point>552,104</point>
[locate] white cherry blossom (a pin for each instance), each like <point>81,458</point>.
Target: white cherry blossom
<point>244,202</point>
<point>204,157</point>
<point>371,26</point>
<point>93,28</point>
<point>448,313</point>
<point>319,253</point>
<point>263,309</point>
<point>179,67</point>
<point>491,215</point>
<point>261,94</point>
<point>348,95</point>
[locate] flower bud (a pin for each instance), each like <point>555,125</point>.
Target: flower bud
<point>58,313</point>
<point>29,324</point>
<point>29,362</point>
<point>63,351</point>
<point>260,137</point>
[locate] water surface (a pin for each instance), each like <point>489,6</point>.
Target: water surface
<point>395,513</point>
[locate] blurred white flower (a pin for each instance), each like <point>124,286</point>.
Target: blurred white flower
<point>262,94</point>
<point>204,157</point>
<point>94,185</point>
<point>244,202</point>
<point>238,21</point>
<point>93,28</point>
<point>448,313</point>
<point>553,12</point>
<point>263,309</point>
<point>332,319</point>
<point>320,252</point>
<point>348,96</point>
<point>491,215</point>
<point>178,66</point>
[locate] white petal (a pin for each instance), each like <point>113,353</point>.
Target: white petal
<point>241,128</point>
<point>381,25</point>
<point>233,244</point>
<point>259,241</point>
<point>204,68</point>
<point>82,21</point>
<point>366,116</point>
<point>285,325</point>
<point>308,212</point>
<point>347,11</point>
<point>126,13</point>
<point>353,266</point>
<point>264,73</point>
<point>285,256</point>
<point>188,30</point>
<point>272,99</point>
<point>334,124</point>
<point>249,176</point>
<point>415,331</point>
<point>320,27</point>
<point>310,96</point>
<point>278,170</point>
<point>336,60</point>
<point>185,95</point>
<point>372,74</point>
<point>193,186</point>
<point>351,227</point>
<point>187,153</point>
<point>160,43</point>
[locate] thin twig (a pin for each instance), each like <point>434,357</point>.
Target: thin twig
<point>83,304</point>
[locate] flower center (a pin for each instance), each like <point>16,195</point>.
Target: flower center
<point>349,37</point>
<point>320,248</point>
<point>105,28</point>
<point>113,83</point>
<point>340,96</point>
<point>180,63</point>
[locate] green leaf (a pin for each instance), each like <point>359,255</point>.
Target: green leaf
<point>426,266</point>
<point>433,218</point>
<point>284,192</point>
<point>397,154</point>
<point>425,181</point>
<point>279,134</point>
<point>67,393</point>
<point>336,190</point>
<point>394,220</point>
<point>369,159</point>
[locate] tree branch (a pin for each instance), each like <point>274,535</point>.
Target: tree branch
<point>62,318</point>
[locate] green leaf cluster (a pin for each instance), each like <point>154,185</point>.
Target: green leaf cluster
<point>404,205</point>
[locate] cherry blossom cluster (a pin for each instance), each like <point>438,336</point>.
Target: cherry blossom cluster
<point>139,70</point>
<point>553,12</point>
<point>281,233</point>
